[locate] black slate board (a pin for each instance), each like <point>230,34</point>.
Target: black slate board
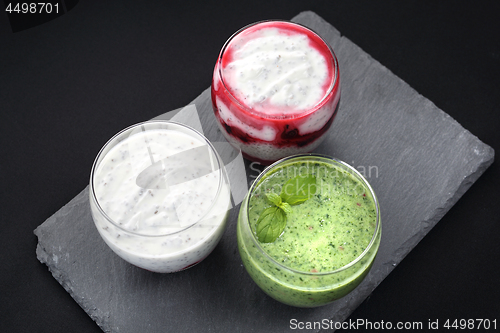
<point>418,159</point>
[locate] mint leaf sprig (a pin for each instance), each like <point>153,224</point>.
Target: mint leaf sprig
<point>272,221</point>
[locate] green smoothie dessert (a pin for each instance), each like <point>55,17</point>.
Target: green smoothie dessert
<point>309,230</point>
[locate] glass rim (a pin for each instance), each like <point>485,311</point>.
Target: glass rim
<point>302,114</point>
<point>329,159</point>
<point>137,125</point>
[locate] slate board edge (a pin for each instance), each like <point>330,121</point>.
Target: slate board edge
<point>45,258</point>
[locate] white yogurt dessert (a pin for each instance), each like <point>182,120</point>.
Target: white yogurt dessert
<point>159,196</point>
<point>275,90</point>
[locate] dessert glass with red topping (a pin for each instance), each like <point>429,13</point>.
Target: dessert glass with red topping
<point>275,90</point>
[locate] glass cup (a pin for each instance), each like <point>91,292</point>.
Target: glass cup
<point>159,196</point>
<point>347,249</point>
<point>273,102</point>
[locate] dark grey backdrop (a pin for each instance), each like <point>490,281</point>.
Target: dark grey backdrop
<point>68,85</point>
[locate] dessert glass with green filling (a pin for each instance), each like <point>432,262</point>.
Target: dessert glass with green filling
<point>309,230</point>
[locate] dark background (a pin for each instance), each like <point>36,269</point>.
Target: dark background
<point>68,85</point>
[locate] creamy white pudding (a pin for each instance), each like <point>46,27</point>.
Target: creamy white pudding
<point>159,196</point>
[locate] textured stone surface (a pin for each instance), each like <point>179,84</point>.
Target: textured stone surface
<point>418,159</point>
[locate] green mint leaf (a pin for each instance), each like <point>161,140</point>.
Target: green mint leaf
<point>299,189</point>
<point>274,198</point>
<point>270,224</point>
<point>285,206</point>
<point>272,221</point>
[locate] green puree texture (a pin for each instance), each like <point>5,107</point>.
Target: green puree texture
<point>327,231</point>
<point>306,265</point>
